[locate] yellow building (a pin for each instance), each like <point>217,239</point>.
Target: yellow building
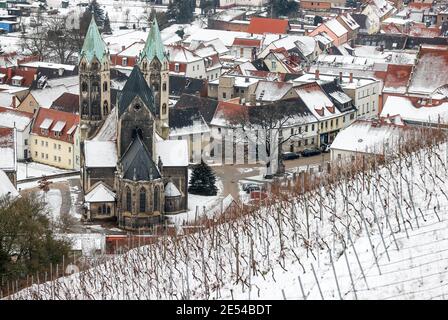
<point>55,139</point>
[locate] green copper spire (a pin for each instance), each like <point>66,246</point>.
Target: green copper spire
<point>154,45</point>
<point>94,45</point>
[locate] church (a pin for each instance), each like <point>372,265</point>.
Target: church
<point>130,172</point>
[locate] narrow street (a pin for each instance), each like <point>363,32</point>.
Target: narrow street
<point>231,174</point>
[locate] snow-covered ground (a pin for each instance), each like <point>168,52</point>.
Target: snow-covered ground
<point>395,216</point>
<point>53,199</point>
<point>36,170</point>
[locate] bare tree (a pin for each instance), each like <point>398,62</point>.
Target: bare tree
<point>61,40</point>
<point>275,124</point>
<point>35,41</point>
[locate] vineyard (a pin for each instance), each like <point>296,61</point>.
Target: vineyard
<point>376,228</point>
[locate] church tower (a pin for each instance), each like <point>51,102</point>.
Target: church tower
<point>94,82</point>
<point>154,65</point>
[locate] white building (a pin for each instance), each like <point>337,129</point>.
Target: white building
<point>367,137</point>
<point>10,118</point>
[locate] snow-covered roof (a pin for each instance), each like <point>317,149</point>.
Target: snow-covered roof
<point>45,97</point>
<point>227,37</point>
<point>351,23</point>
<point>181,55</point>
<point>173,153</point>
<point>317,101</point>
<point>100,193</point>
<point>59,126</point>
<point>108,131</point>
<point>271,91</point>
<point>6,186</point>
<point>341,97</point>
<point>10,118</point>
<point>100,154</point>
<point>42,64</point>
<point>367,137</point>
<point>405,108</point>
<point>336,27</point>
<point>46,124</point>
<point>171,190</point>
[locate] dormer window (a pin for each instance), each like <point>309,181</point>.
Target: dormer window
<point>137,107</point>
<point>16,81</point>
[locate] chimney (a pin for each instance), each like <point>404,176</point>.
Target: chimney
<point>246,79</point>
<point>317,74</point>
<point>351,77</point>
<point>340,76</point>
<point>197,94</point>
<point>14,102</point>
<point>122,48</point>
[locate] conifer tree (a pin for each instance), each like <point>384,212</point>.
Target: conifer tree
<point>106,27</point>
<point>203,180</point>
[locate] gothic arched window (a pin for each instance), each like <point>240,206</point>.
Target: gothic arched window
<point>156,199</point>
<point>137,132</point>
<point>164,86</point>
<point>95,87</point>
<point>83,66</point>
<point>145,65</point>
<point>164,108</point>
<point>95,66</point>
<point>84,87</point>
<point>128,199</point>
<point>105,86</point>
<point>142,200</point>
<point>105,108</point>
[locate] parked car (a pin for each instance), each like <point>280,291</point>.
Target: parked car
<point>325,148</point>
<point>311,152</point>
<point>248,187</point>
<point>290,155</point>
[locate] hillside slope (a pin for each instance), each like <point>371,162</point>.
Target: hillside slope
<point>394,219</point>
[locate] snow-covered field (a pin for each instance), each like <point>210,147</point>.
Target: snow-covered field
<point>393,219</point>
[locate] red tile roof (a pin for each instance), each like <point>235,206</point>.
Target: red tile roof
<point>231,112</point>
<point>418,5</point>
<point>266,25</point>
<point>67,102</point>
<point>397,76</point>
<point>246,42</point>
<point>421,30</point>
<point>71,122</point>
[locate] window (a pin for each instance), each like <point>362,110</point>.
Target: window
<point>35,141</point>
<point>46,144</point>
<point>193,68</point>
<point>142,200</point>
<point>337,121</point>
<point>124,62</point>
<point>105,108</point>
<point>36,154</point>
<point>312,127</point>
<point>373,105</point>
<point>69,162</point>
<point>156,199</point>
<point>306,142</point>
<point>164,86</point>
<point>59,159</point>
<point>274,65</point>
<point>164,108</point>
<point>46,156</point>
<point>306,128</point>
<point>128,199</point>
<point>55,158</point>
<point>84,87</point>
<point>224,95</point>
<point>105,86</point>
<point>26,142</point>
<point>54,146</point>
<point>59,147</point>
<point>42,155</point>
<point>176,67</point>
<point>69,149</point>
